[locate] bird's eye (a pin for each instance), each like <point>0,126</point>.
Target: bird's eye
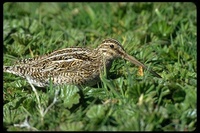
<point>111,46</point>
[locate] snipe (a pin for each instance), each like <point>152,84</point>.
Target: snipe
<point>77,66</point>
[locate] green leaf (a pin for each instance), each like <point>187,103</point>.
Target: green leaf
<point>30,105</point>
<point>96,113</point>
<point>69,95</point>
<point>72,126</point>
<point>179,95</point>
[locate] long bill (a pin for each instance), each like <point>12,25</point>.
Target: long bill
<point>136,62</point>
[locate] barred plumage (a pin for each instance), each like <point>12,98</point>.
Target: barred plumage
<point>77,66</point>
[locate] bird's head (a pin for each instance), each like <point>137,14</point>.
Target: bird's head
<point>112,49</point>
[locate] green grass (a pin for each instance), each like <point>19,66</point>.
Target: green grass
<point>161,35</point>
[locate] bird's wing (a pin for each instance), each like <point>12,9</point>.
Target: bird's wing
<point>65,60</point>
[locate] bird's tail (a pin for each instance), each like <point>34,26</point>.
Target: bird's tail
<point>12,69</point>
<point>6,68</point>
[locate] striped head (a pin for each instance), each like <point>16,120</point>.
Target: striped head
<point>112,49</point>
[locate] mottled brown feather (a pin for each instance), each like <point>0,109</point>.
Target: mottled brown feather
<point>77,66</point>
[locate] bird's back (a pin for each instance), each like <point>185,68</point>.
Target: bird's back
<point>78,66</point>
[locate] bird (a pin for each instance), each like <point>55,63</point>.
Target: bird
<point>73,66</point>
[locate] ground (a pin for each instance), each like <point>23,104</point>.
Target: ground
<point>161,35</point>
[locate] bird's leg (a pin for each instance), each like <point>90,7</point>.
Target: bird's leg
<point>37,96</point>
<point>41,109</point>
